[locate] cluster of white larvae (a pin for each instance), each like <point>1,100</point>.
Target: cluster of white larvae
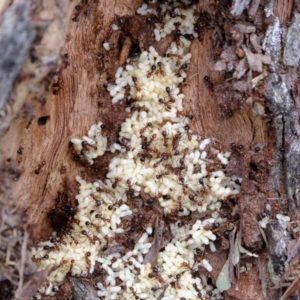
<point>160,160</point>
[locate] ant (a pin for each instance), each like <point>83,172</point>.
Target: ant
<point>153,68</point>
<point>165,134</point>
<point>164,287</point>
<point>88,223</point>
<point>160,175</point>
<point>185,152</point>
<point>91,239</point>
<point>177,284</point>
<point>175,141</point>
<point>86,146</point>
<point>69,233</point>
<point>55,267</point>
<point>134,79</point>
<point>118,203</point>
<point>37,171</point>
<point>125,143</point>
<point>174,55</point>
<point>156,276</point>
<point>168,91</point>
<point>162,101</point>
<point>160,70</point>
<point>104,190</point>
<point>208,82</point>
<point>187,130</point>
<point>187,266</point>
<point>117,180</point>
<point>36,260</point>
<point>178,72</point>
<point>133,292</point>
<point>149,124</point>
<point>164,156</point>
<point>87,260</point>
<point>180,208</point>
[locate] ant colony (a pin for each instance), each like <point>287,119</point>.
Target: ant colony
<point>161,166</point>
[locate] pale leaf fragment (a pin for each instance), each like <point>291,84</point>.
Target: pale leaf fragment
<point>256,60</point>
<point>223,282</point>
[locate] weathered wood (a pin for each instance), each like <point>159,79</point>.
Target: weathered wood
<point>16,36</point>
<point>66,96</point>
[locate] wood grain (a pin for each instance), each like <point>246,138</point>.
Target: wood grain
<point>81,102</point>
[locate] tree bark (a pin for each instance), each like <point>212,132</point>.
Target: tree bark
<point>59,93</point>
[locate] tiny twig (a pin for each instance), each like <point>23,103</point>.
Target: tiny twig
<point>293,288</point>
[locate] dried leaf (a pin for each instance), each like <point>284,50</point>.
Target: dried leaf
<point>256,60</point>
<point>241,248</point>
<point>240,69</point>
<point>236,253</point>
<point>254,42</point>
<point>245,251</point>
<point>258,78</point>
<point>223,283</point>
<point>244,28</point>
<point>295,286</point>
<point>152,255</point>
<point>32,285</point>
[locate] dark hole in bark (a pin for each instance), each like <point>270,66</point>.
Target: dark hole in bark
<point>43,120</point>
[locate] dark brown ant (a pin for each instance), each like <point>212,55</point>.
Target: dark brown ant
<point>125,143</point>
<point>208,82</point>
<point>180,208</point>
<point>168,91</point>
<point>162,101</point>
<point>134,79</point>
<point>153,68</point>
<point>71,266</point>
<point>175,55</point>
<point>177,284</point>
<point>88,223</point>
<point>164,156</point>
<point>133,292</point>
<point>117,203</point>
<point>92,239</point>
<point>37,171</point>
<point>117,180</point>
<point>183,67</point>
<point>175,141</point>
<point>165,134</point>
<point>187,130</point>
<point>36,260</point>
<point>147,152</point>
<point>177,38</point>
<point>183,185</point>
<point>226,110</point>
<point>156,276</point>
<point>160,175</point>
<point>186,265</point>
<point>104,190</point>
<point>69,233</point>
<point>149,124</point>
<point>87,260</point>
<point>185,152</point>
<point>160,70</point>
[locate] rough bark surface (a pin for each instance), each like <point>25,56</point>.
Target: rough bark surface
<point>60,93</point>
